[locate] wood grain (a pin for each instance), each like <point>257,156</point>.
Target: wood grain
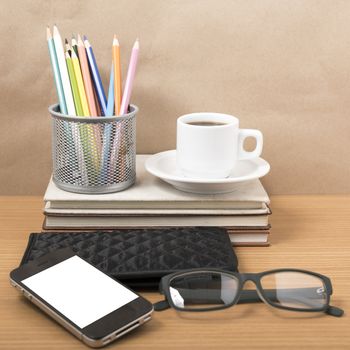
<point>310,232</point>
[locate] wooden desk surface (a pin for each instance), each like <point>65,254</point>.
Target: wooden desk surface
<point>310,232</point>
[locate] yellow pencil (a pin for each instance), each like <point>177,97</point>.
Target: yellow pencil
<point>80,83</point>
<point>117,76</point>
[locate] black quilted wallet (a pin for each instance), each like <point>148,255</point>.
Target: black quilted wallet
<point>140,257</point>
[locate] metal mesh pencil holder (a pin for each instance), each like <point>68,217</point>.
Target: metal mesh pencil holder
<point>93,154</point>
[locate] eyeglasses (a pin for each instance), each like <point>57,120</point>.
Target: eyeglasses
<point>212,289</point>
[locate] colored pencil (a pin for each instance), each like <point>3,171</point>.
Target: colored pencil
<point>117,76</point>
<point>96,76</point>
<point>70,129</point>
<point>110,102</point>
<point>95,147</point>
<point>68,96</point>
<point>89,148</point>
<point>130,78</point>
<point>80,83</point>
<point>75,45</point>
<point>87,78</point>
<point>108,127</point>
<point>56,72</point>
<point>98,107</point>
<point>74,85</point>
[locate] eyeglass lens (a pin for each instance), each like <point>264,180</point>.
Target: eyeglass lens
<point>203,290</point>
<point>295,290</point>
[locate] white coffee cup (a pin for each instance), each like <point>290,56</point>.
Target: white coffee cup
<point>211,151</point>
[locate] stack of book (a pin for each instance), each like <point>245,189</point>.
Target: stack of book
<point>154,203</point>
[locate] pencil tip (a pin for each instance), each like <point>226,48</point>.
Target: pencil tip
<point>80,42</point>
<point>48,33</point>
<point>66,41</point>
<point>115,41</point>
<point>86,42</point>
<point>137,44</point>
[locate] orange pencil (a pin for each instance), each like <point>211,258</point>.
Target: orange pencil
<point>98,108</point>
<point>117,76</point>
<point>87,78</point>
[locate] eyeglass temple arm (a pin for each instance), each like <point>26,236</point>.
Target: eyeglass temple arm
<point>251,296</point>
<point>161,305</point>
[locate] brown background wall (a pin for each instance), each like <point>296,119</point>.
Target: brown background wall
<point>280,66</point>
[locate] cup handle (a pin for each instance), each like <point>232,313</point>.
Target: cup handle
<point>242,135</point>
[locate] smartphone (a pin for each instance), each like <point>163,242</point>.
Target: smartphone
<point>93,306</point>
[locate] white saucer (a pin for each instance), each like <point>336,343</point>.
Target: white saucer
<point>163,165</point>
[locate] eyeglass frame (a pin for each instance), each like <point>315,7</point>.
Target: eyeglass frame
<point>246,296</point>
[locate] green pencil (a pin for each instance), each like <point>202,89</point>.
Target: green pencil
<point>74,85</point>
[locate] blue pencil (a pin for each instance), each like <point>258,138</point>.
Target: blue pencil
<point>96,76</point>
<point>107,143</point>
<point>110,103</point>
<point>56,72</point>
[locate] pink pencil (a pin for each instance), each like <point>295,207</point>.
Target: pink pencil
<point>87,79</point>
<point>130,78</point>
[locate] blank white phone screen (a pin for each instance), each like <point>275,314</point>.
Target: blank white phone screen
<point>79,291</point>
